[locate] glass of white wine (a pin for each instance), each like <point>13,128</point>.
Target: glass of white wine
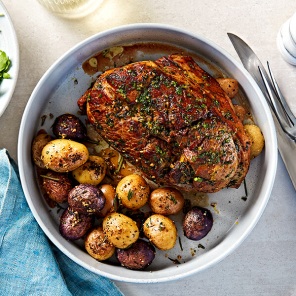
<point>71,8</point>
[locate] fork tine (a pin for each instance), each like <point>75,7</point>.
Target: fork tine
<point>271,101</point>
<point>274,104</point>
<point>281,98</point>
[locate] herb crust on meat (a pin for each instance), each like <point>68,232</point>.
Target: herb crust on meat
<point>172,120</point>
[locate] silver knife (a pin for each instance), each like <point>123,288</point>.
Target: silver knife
<point>251,62</point>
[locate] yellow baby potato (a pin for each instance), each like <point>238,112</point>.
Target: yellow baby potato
<point>62,155</point>
<point>92,172</point>
<point>109,193</point>
<point>38,143</point>
<point>120,229</point>
<point>256,137</point>
<point>118,167</point>
<point>98,246</point>
<point>161,231</point>
<point>133,191</point>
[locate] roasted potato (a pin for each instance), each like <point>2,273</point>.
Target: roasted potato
<point>197,223</point>
<point>38,144</point>
<point>256,137</point>
<point>117,166</point>
<point>121,230</point>
<point>69,126</point>
<point>161,231</point>
<point>63,155</point>
<point>92,172</point>
<point>229,85</point>
<point>57,186</point>
<point>240,111</point>
<point>86,199</point>
<point>166,201</point>
<point>109,193</point>
<point>133,191</point>
<point>73,225</point>
<point>97,244</point>
<point>138,256</point>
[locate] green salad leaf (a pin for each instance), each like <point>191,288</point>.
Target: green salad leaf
<point>4,65</point>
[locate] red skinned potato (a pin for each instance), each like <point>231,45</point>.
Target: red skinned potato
<point>57,186</point>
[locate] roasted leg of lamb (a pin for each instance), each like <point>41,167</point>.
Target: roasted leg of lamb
<point>172,120</point>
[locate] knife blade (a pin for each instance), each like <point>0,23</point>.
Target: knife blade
<point>251,62</point>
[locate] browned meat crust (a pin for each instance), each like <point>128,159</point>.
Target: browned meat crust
<point>173,121</point>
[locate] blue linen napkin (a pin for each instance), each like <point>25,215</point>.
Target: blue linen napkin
<point>29,263</point>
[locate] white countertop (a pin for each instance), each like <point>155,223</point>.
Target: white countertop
<point>265,263</point>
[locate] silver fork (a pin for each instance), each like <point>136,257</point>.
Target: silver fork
<point>278,104</point>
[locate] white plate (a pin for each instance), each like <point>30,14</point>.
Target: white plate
<point>234,218</point>
<point>9,44</point>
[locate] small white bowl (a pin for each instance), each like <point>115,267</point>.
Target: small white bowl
<point>292,27</point>
<point>287,38</point>
<point>234,217</point>
<point>286,44</point>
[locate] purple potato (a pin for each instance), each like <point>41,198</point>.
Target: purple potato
<point>86,199</point>
<point>69,126</point>
<point>138,256</point>
<point>197,223</point>
<point>74,225</point>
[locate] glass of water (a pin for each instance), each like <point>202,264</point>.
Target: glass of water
<point>71,8</point>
